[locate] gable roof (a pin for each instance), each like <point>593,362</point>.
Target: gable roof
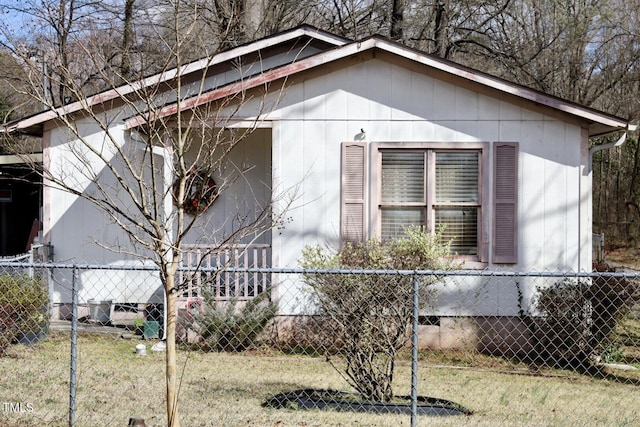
<point>308,34</point>
<point>335,49</point>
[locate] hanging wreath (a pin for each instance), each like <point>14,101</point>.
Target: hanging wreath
<point>200,192</point>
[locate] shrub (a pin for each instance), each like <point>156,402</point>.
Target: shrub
<point>565,333</point>
<point>24,307</point>
<point>372,313</point>
<point>578,316</point>
<point>612,299</point>
<point>233,325</point>
<point>309,335</point>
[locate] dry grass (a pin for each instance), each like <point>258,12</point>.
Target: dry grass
<point>625,257</point>
<point>227,390</point>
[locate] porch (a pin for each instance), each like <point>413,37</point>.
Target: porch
<point>216,271</point>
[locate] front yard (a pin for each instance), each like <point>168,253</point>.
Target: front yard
<point>220,389</point>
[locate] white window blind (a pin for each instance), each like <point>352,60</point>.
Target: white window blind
<point>396,220</point>
<point>456,177</point>
<point>457,195</point>
<point>454,182</point>
<point>460,227</point>
<point>402,192</point>
<point>403,177</point>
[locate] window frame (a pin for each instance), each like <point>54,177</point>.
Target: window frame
<point>478,260</point>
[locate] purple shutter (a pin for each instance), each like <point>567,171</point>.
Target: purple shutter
<point>505,203</point>
<point>353,192</point>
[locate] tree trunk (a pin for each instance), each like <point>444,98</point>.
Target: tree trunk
<point>635,171</point>
<point>173,420</point>
<point>254,14</point>
<point>441,28</point>
<point>397,17</point>
<point>127,40</point>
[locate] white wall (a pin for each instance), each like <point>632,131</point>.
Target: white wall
<point>82,234</point>
<point>394,104</point>
<point>244,189</point>
<point>391,104</point>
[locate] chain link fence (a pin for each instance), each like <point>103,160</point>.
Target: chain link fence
<point>83,345</point>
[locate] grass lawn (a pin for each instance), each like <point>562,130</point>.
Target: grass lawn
<point>227,390</point>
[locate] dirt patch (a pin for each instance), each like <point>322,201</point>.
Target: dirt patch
<point>623,257</point>
<point>307,399</point>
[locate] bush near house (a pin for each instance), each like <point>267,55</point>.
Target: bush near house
<point>579,315</point>
<point>24,304</point>
<point>233,325</point>
<point>307,335</point>
<point>371,314</point>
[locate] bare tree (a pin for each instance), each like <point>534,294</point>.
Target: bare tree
<point>446,28</point>
<point>156,180</point>
<point>221,24</point>
<point>127,39</point>
<point>587,52</point>
<point>575,50</point>
<point>354,19</point>
<point>397,18</point>
<point>51,26</point>
<point>279,15</point>
<point>13,104</point>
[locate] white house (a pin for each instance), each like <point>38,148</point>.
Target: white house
<point>376,136</point>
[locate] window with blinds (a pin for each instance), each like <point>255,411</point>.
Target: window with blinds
<point>402,192</point>
<point>456,202</point>
<point>434,189</point>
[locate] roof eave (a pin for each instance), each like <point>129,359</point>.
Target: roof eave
<point>599,123</point>
<point>34,125</point>
<point>597,129</point>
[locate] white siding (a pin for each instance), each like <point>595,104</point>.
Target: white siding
<point>79,231</point>
<point>244,189</point>
<point>394,104</point>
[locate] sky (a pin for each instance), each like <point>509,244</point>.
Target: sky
<point>13,25</point>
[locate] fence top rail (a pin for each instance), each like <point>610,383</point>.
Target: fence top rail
<point>213,248</point>
<point>14,258</point>
<point>276,270</point>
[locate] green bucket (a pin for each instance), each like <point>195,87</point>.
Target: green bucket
<point>151,329</point>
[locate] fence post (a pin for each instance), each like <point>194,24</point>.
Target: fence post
<point>414,353</point>
<point>74,348</point>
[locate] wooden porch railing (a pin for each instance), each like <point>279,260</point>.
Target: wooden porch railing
<point>224,284</point>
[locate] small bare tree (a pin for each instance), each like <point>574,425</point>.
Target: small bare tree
<point>154,177</point>
<point>371,313</point>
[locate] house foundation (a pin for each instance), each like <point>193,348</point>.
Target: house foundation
<point>505,336</point>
